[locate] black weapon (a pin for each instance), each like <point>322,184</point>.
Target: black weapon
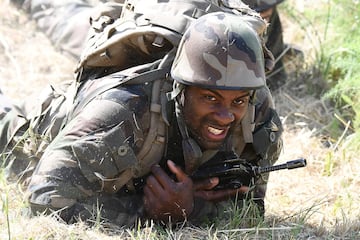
<point>234,173</point>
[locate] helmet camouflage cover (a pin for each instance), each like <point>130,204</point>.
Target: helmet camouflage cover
<point>220,50</point>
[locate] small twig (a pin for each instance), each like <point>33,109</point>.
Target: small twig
<point>256,229</point>
<point>282,53</point>
<point>342,135</point>
<point>292,99</point>
<point>308,118</point>
<point>343,121</point>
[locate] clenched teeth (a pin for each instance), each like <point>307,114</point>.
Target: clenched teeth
<point>215,131</point>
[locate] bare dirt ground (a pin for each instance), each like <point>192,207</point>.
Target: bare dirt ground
<point>324,195</point>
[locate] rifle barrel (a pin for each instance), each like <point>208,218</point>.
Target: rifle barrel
<point>297,163</point>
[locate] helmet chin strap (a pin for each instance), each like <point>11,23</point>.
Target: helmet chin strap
<point>191,150</point>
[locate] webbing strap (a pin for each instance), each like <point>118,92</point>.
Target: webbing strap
<point>148,76</point>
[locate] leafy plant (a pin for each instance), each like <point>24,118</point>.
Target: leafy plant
<point>334,34</point>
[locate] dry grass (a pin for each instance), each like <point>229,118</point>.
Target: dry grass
<point>320,201</point>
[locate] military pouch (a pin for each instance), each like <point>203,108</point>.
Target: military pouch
<point>267,134</point>
<point>106,157</point>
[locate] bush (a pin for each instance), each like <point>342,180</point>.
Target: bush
<point>333,28</point>
<point>342,51</point>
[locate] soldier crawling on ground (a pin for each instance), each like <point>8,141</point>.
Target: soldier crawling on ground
<point>127,142</point>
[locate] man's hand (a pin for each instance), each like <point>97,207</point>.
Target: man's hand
<point>203,190</point>
<point>166,199</point>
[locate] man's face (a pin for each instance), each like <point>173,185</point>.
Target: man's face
<point>210,114</point>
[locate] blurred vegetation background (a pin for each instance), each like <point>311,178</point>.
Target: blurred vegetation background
<point>333,28</point>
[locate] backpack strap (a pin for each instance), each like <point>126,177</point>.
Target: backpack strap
<point>154,145</point>
<point>122,78</point>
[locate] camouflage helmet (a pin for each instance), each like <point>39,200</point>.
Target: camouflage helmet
<point>220,50</point>
<point>262,5</point>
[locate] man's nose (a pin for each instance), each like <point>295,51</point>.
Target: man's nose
<point>224,116</point>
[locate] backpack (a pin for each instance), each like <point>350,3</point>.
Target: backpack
<point>142,31</point>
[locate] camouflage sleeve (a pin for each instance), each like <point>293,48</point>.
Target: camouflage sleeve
<point>274,35</point>
<point>274,41</point>
<point>78,171</point>
<point>13,126</point>
<point>27,128</point>
<point>67,22</point>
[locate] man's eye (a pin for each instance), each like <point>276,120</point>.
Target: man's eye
<point>240,101</point>
<point>210,98</point>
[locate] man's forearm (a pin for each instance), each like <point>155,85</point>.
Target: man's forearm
<point>66,23</point>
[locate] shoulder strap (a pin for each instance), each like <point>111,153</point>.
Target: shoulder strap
<point>154,145</point>
<point>118,79</point>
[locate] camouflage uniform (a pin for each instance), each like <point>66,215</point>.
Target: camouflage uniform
<point>274,39</point>
<point>80,148</point>
<point>59,20</point>
<point>67,22</point>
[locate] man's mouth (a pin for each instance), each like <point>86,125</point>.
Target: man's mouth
<point>215,131</point>
<point>212,136</point>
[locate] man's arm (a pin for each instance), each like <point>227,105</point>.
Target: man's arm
<point>67,22</point>
<point>76,173</point>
